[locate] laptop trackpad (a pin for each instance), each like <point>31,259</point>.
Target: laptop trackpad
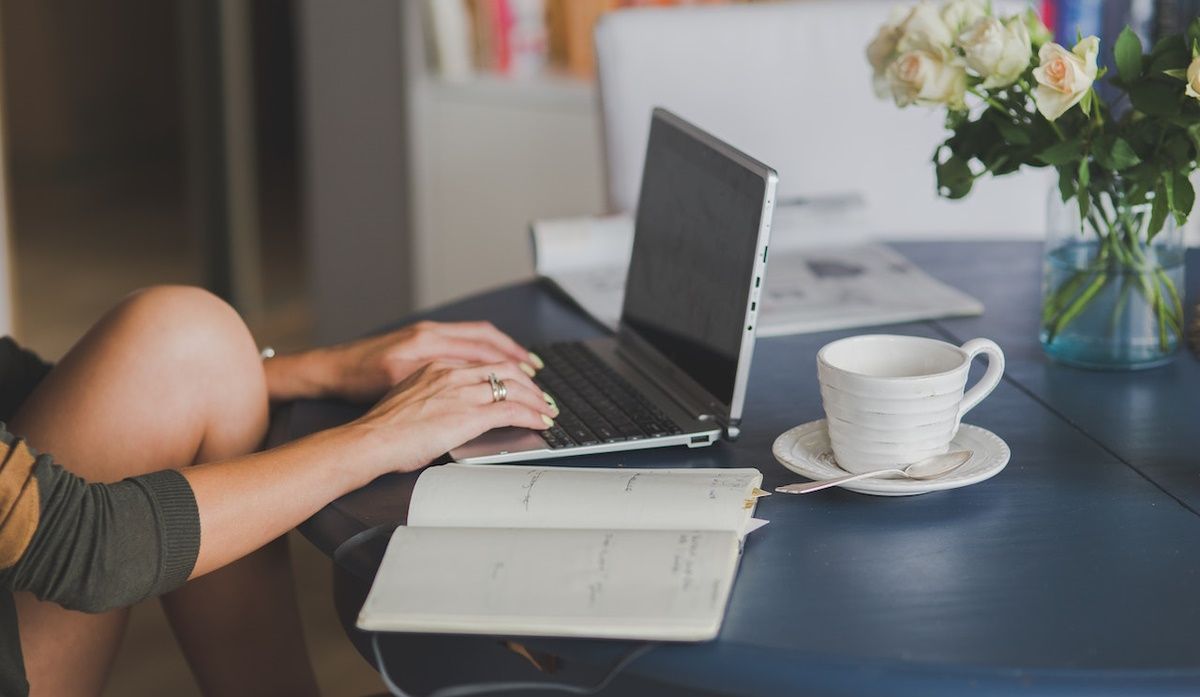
<point>499,441</point>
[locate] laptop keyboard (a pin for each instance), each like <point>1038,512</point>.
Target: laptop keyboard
<point>596,405</point>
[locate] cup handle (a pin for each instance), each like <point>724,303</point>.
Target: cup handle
<point>990,379</point>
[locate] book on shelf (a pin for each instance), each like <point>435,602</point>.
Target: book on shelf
<point>522,38</point>
<point>566,551</point>
<point>450,41</point>
<point>810,285</point>
<point>1149,19</point>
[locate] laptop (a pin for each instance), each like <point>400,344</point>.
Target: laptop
<point>675,371</point>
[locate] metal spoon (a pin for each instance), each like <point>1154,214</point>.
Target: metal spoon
<point>929,468</point>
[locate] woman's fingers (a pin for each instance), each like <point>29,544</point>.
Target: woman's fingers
<point>453,389</point>
<point>456,348</point>
<point>509,373</point>
<point>514,392</point>
<point>511,413</point>
<point>487,333</point>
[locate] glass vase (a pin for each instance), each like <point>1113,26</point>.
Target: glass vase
<point>1110,292</point>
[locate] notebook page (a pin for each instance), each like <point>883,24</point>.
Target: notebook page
<point>526,496</point>
<point>634,584</point>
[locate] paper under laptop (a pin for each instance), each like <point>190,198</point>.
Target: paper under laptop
<point>810,286</point>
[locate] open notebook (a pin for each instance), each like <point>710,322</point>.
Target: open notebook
<point>812,284</point>
<point>565,551</point>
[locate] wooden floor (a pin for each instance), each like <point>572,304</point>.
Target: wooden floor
<point>78,249</point>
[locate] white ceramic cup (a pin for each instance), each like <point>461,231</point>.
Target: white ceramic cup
<point>893,400</point>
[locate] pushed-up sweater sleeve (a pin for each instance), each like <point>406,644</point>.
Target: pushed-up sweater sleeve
<point>92,547</point>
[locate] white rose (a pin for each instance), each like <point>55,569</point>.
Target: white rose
<point>957,15</point>
<point>1064,76</point>
<point>924,30</point>
<point>882,49</point>
<point>929,79</point>
<point>1193,78</point>
<point>998,52</point>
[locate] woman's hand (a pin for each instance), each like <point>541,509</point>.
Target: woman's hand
<point>443,405</point>
<point>361,371</point>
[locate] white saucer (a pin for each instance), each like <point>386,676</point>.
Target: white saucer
<point>805,450</point>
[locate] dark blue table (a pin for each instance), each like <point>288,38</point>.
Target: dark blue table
<point>1075,571</point>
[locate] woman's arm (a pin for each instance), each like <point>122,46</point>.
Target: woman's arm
<point>363,370</point>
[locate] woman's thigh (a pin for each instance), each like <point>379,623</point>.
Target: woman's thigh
<point>167,379</point>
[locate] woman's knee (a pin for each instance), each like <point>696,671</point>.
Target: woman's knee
<point>201,340</point>
<point>187,324</point>
<point>171,373</point>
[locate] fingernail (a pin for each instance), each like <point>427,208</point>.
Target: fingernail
<point>547,420</point>
<point>528,369</point>
<point>549,400</point>
<point>536,360</point>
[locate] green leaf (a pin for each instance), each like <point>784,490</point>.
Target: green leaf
<point>1172,43</point>
<point>1066,184</point>
<point>1123,156</point>
<point>1184,196</point>
<point>1062,153</point>
<point>1085,104</point>
<point>1010,131</point>
<point>954,177</point>
<point>1158,211</point>
<point>1169,53</point>
<point>1193,132</point>
<point>1156,98</point>
<point>1185,120</point>
<point>1115,154</point>
<point>1083,178</point>
<point>1128,53</point>
<point>1177,73</point>
<point>1193,35</point>
<point>1008,166</point>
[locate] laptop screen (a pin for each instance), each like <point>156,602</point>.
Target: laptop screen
<point>695,238</point>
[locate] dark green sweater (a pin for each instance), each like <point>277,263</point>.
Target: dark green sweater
<point>89,547</point>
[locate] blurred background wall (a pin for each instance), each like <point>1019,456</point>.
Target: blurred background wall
<point>96,99</point>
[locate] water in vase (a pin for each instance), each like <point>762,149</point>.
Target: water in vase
<point>1120,327</point>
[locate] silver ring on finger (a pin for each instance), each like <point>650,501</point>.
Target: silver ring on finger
<point>499,389</point>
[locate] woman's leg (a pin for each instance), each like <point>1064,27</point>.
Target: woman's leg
<point>169,378</point>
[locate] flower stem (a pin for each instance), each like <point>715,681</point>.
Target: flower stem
<point>1175,314</point>
<point>1078,306</point>
<point>993,102</point>
<point>1057,130</point>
